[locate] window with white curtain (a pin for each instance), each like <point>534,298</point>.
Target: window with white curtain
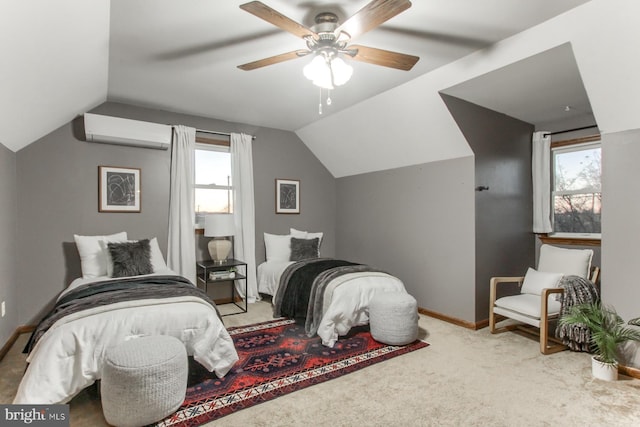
<point>576,196</point>
<point>213,189</point>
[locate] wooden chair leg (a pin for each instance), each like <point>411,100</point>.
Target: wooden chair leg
<point>545,348</point>
<point>492,320</point>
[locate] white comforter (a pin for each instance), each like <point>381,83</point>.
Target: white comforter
<point>69,356</point>
<point>343,306</point>
<point>269,276</point>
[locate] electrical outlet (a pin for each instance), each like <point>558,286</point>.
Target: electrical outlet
<point>3,309</point>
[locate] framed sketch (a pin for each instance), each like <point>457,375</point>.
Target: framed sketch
<point>119,189</point>
<point>287,196</point>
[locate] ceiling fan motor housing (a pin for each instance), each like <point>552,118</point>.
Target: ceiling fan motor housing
<point>326,24</point>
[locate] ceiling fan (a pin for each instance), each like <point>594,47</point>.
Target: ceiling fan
<point>329,39</point>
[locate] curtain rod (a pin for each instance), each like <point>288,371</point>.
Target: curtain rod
<point>570,130</point>
<point>213,132</point>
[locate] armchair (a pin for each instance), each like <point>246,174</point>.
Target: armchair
<point>535,305</point>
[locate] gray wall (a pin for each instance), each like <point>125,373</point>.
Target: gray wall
<point>416,223</point>
<point>505,244</point>
<point>57,183</point>
<point>280,154</point>
<point>283,155</point>
<point>8,221</point>
<point>621,223</point>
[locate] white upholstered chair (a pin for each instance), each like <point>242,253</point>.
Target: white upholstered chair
<point>536,303</point>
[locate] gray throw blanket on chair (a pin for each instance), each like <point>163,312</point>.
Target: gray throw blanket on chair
<point>577,290</point>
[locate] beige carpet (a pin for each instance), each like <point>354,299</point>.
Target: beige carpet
<point>464,378</point>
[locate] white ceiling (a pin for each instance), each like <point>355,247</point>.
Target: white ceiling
<point>182,56</point>
<point>544,89</point>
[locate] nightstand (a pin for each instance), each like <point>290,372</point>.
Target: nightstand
<point>211,273</point>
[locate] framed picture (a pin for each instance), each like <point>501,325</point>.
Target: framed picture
<point>119,189</point>
<point>287,196</point>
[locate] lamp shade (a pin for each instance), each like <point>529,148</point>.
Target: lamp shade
<point>219,225</point>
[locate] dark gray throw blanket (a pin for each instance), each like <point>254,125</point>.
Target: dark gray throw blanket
<point>577,290</point>
<point>292,298</point>
<point>302,287</point>
<point>102,293</point>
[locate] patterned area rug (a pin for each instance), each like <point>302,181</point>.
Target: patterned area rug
<point>276,358</point>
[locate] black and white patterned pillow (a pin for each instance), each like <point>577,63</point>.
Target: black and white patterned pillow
<point>131,258</point>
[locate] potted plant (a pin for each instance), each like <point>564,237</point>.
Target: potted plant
<point>607,332</point>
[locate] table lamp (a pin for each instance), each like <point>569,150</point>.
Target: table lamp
<point>219,226</point>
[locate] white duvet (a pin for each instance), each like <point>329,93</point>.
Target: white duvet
<point>69,356</point>
<point>343,306</point>
<point>269,276</point>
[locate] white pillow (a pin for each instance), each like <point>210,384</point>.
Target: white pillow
<point>536,281</point>
<point>277,246</point>
<point>566,261</point>
<point>299,234</point>
<point>93,259</point>
<point>157,260</point>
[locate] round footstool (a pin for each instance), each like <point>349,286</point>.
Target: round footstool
<point>143,380</point>
<point>393,318</point>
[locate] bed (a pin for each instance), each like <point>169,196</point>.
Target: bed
<point>334,296</point>
<point>106,307</point>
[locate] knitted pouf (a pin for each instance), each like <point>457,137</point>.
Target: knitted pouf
<point>143,380</point>
<point>393,318</point>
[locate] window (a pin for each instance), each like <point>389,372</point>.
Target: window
<point>576,196</point>
<point>212,182</point>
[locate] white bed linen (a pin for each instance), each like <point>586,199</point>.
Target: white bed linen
<point>343,306</point>
<point>69,355</point>
<point>269,276</point>
<point>349,305</point>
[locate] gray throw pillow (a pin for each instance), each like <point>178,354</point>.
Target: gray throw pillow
<point>304,249</point>
<point>131,258</point>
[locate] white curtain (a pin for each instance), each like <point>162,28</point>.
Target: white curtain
<point>181,252</point>
<point>244,211</point>
<point>541,174</point>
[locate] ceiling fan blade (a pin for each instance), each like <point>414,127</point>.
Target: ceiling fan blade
<point>273,60</point>
<point>274,17</point>
<point>372,15</point>
<point>386,58</point>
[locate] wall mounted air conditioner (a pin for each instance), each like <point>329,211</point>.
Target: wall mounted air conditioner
<point>114,130</point>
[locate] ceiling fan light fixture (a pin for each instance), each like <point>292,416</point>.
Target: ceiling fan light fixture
<point>315,69</point>
<point>328,71</point>
<point>342,71</point>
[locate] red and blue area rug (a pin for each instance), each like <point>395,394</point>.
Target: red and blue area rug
<point>276,358</point>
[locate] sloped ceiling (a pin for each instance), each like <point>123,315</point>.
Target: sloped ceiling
<point>410,125</point>
<point>54,58</point>
<point>545,89</point>
<point>61,58</point>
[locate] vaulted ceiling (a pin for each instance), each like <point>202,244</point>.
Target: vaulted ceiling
<point>60,59</point>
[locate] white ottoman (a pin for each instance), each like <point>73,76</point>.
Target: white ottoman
<point>393,318</point>
<point>143,380</point>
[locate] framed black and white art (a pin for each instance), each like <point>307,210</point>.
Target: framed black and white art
<point>287,196</point>
<point>119,189</point>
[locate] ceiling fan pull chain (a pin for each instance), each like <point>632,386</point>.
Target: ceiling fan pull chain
<point>329,97</point>
<point>320,101</point>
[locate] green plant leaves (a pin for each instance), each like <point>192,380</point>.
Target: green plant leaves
<point>607,328</point>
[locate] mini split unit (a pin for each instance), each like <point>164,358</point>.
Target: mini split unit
<point>114,130</point>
